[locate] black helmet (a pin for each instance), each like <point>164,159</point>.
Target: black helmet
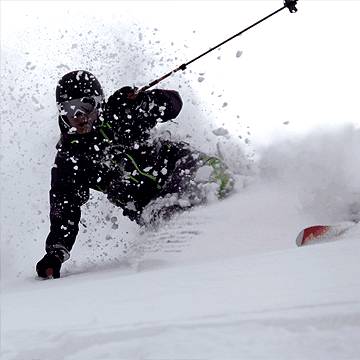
<point>76,85</point>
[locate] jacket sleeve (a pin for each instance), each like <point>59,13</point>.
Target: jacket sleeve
<point>131,120</point>
<point>149,106</point>
<point>164,104</point>
<point>67,194</point>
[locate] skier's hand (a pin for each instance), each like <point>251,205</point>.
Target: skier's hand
<point>127,92</point>
<point>125,101</point>
<point>49,265</point>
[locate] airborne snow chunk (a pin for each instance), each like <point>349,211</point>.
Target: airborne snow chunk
<point>220,132</point>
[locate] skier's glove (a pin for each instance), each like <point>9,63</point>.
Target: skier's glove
<point>128,93</point>
<point>125,102</point>
<point>49,265</point>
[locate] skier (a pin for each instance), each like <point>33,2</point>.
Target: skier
<point>109,147</point>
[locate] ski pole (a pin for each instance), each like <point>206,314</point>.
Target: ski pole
<point>290,4</point>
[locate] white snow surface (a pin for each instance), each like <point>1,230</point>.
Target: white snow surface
<point>225,281</point>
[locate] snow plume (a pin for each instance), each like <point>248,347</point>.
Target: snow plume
<point>126,52</point>
<point>322,168</point>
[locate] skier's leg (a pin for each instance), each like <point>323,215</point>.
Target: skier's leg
<point>213,177</point>
<point>196,180</point>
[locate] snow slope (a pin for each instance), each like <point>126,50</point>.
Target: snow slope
<point>237,289</point>
<point>224,281</point>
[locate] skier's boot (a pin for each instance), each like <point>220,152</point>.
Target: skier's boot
<point>48,266</point>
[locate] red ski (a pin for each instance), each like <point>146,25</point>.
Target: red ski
<point>322,233</point>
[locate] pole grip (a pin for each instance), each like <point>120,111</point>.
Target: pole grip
<point>290,4</point>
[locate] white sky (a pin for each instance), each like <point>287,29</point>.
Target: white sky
<point>301,68</point>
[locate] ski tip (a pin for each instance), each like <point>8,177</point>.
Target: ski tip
<point>314,233</point>
<point>300,238</point>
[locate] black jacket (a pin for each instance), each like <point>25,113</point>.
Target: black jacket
<point>117,158</point>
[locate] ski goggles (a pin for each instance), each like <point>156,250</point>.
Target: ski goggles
<point>76,107</point>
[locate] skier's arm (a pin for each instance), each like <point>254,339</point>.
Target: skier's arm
<point>165,104</point>
<point>149,106</point>
<point>66,196</point>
